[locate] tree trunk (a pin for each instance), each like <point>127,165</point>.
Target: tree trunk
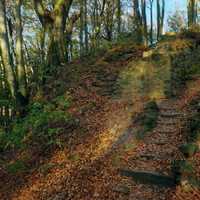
<point>97,27</point>
<point>54,22</point>
<point>119,15</point>
<point>160,18</point>
<point>145,22</point>
<point>19,54</point>
<point>195,12</point>
<point>81,28</point>
<point>85,24</point>
<point>192,12</point>
<point>10,30</point>
<point>151,19</point>
<point>109,20</point>
<point>6,51</point>
<point>137,22</point>
<point>68,33</point>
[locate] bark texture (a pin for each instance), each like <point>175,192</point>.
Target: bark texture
<point>54,23</point>
<point>19,52</point>
<point>6,51</point>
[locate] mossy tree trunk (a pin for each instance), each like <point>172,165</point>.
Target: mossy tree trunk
<point>54,23</point>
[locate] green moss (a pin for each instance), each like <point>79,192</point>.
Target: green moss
<point>155,56</point>
<point>115,161</point>
<point>147,125</point>
<point>151,114</point>
<point>75,156</point>
<point>128,147</point>
<point>124,81</point>
<point>151,105</point>
<point>182,167</point>
<point>140,134</point>
<point>118,154</point>
<point>195,182</point>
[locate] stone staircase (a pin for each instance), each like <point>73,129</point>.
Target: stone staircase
<point>105,83</point>
<point>152,164</point>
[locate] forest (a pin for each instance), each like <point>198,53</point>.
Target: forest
<point>61,130</point>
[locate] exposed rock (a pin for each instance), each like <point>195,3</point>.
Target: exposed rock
<point>151,114</point>
<point>116,161</point>
<point>187,188</point>
<point>75,156</point>
<point>151,105</point>
<point>158,74</point>
<point>148,177</point>
<point>188,150</point>
<point>146,125</point>
<point>122,189</point>
<point>184,171</point>
<point>128,147</point>
<point>195,182</point>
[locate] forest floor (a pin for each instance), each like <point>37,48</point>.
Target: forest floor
<point>103,125</point>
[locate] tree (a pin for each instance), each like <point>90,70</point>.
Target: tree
<point>160,18</point>
<point>97,18</point>
<point>81,27</point>
<point>176,21</point>
<point>119,15</point>
<point>192,12</point>
<point>144,20</point>
<point>85,25</point>
<point>151,21</point>
<point>54,23</point>
<point>109,20</point>
<point>19,52</point>
<point>137,22</point>
<point>7,61</point>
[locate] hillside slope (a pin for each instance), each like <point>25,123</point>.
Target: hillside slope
<point>73,132</point>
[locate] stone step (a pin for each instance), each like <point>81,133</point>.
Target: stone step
<point>107,77</point>
<point>166,132</point>
<point>158,143</point>
<point>167,123</point>
<point>108,80</point>
<point>149,178</point>
<point>167,115</point>
<point>105,92</point>
<point>169,108</point>
<point>105,86</point>
<point>154,156</point>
